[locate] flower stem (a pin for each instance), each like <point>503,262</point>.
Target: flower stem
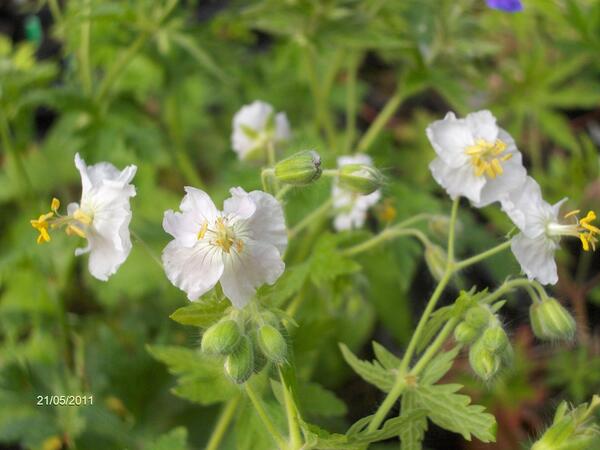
<point>435,346</point>
<point>292,414</point>
<point>452,230</point>
<point>380,121</point>
<point>384,236</point>
<point>223,422</point>
<point>262,413</point>
<point>320,211</point>
<point>84,49</point>
<point>481,256</point>
<point>147,248</point>
<point>351,103</point>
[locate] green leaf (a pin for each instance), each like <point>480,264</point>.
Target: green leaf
<point>371,372</point>
<point>454,412</point>
<point>288,284</point>
<point>393,427</point>
<point>318,438</point>
<point>439,366</point>
<point>314,399</point>
<point>201,378</point>
<point>201,314</point>
<point>250,431</point>
<point>411,437</point>
<point>175,439</point>
<point>327,263</point>
<point>385,357</point>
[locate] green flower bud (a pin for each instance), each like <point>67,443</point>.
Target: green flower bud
<point>484,363</point>
<point>439,225</point>
<point>436,260</point>
<point>299,169</point>
<point>240,364</point>
<point>495,339</point>
<point>272,344</point>
<point>222,338</point>
<point>465,333</point>
<point>478,317</point>
<point>551,321</point>
<point>360,178</point>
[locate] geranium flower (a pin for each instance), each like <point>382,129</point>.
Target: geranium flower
<point>255,127</point>
<point>351,208</point>
<point>102,217</point>
<point>506,5</point>
<point>542,229</point>
<point>241,246</point>
<point>475,158</point>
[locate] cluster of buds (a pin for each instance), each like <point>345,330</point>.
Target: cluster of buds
<point>551,321</point>
<point>490,348</point>
<point>571,429</point>
<point>247,342</point>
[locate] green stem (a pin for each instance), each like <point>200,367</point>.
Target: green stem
<point>320,211</point>
<point>351,101</point>
<point>292,414</point>
<point>10,149</point>
<point>384,236</point>
<point>509,285</point>
<point>84,49</point>
<point>262,413</point>
<point>222,424</point>
<point>380,121</point>
<point>55,11</point>
<point>283,191</point>
<point>435,346</point>
<point>452,230</point>
<point>148,249</point>
<point>481,256</point>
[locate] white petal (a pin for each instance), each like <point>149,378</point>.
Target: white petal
<point>258,263</point>
<point>198,205</point>
<point>536,257</point>
<point>194,270</point>
<point>359,158</point>
<point>458,181</point>
<point>239,205</point>
<point>183,227</point>
<point>499,188</point>
<point>267,224</point>
<point>282,127</point>
<point>482,125</point>
<point>105,258</point>
<point>527,209</point>
<point>86,183</point>
<point>253,116</point>
<point>450,138</point>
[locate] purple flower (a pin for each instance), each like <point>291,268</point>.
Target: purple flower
<point>505,5</point>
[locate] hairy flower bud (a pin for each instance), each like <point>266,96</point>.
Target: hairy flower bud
<point>551,321</point>
<point>239,365</point>
<point>436,259</point>
<point>299,169</point>
<point>495,339</point>
<point>222,338</point>
<point>478,317</point>
<point>360,178</point>
<point>272,344</point>
<point>465,333</point>
<point>484,362</point>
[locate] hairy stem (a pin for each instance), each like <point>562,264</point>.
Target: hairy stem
<point>222,424</point>
<point>292,414</point>
<point>262,413</point>
<point>384,236</point>
<point>380,121</point>
<point>316,214</point>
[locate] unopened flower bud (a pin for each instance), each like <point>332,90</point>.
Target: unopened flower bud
<point>239,365</point>
<point>495,339</point>
<point>465,333</point>
<point>484,363</point>
<point>272,344</point>
<point>551,321</point>
<point>478,317</point>
<point>439,225</point>
<point>360,178</point>
<point>299,169</point>
<point>436,260</point>
<point>222,338</point>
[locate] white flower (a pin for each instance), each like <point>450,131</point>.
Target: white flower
<point>351,208</point>
<point>102,216</point>
<point>541,231</point>
<point>475,158</point>
<point>241,247</point>
<point>255,126</point>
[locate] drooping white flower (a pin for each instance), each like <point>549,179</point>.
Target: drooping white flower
<point>255,126</point>
<point>541,230</point>
<point>241,246</point>
<point>475,158</point>
<point>351,208</point>
<point>102,216</point>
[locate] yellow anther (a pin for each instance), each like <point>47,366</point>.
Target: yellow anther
<point>55,205</point>
<point>239,245</point>
<point>486,157</point>
<point>41,225</point>
<point>73,229</point>
<point>584,242</point>
<point>82,217</point>
<point>202,231</point>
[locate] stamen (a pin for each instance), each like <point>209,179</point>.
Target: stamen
<point>487,158</point>
<point>82,217</point>
<point>72,229</point>
<point>572,213</point>
<point>202,231</point>
<point>55,205</point>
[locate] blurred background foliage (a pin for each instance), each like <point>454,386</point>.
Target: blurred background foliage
<point>156,83</point>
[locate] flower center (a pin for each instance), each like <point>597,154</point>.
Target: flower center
<point>581,229</point>
<point>487,157</point>
<point>222,235</point>
<point>75,223</point>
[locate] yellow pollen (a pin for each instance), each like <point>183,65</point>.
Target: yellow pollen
<point>202,231</point>
<point>487,158</point>
<point>55,204</point>
<point>225,237</point>
<point>587,232</point>
<point>41,225</point>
